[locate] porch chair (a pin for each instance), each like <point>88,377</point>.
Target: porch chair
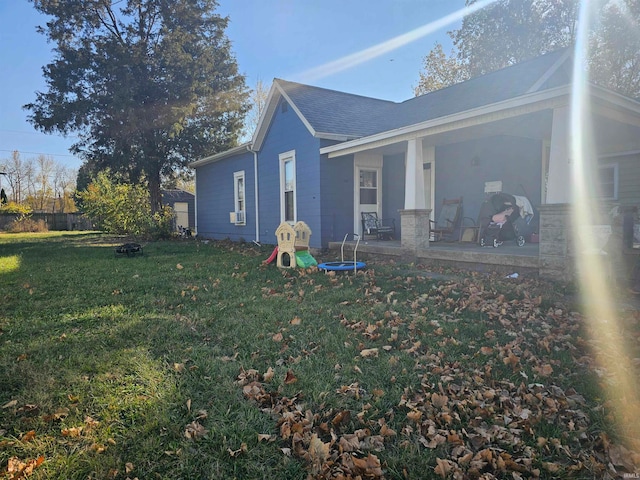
<point>447,221</point>
<point>470,229</point>
<point>380,227</point>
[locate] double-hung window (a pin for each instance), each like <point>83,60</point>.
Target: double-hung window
<point>239,198</point>
<point>608,181</point>
<point>368,187</point>
<point>288,207</point>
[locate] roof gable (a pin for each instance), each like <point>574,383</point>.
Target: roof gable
<point>326,113</point>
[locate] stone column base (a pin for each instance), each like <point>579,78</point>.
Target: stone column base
<point>415,229</point>
<point>556,262</point>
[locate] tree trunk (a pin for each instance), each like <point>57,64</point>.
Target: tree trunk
<point>155,195</point>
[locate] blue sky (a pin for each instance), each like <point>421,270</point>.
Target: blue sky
<point>297,40</point>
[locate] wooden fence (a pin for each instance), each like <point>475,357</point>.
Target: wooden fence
<point>54,221</point>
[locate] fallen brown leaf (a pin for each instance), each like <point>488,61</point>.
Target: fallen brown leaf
<point>318,450</point>
<point>27,437</point>
<point>10,404</point>
<point>194,431</point>
<point>18,469</point>
<point>290,378</point>
<point>71,432</point>
<point>443,467</point>
<point>369,352</point>
<point>234,453</point>
<point>269,374</point>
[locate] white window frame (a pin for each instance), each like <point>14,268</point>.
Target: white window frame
<point>240,204</point>
<point>289,156</point>
<point>616,180</point>
<point>362,171</point>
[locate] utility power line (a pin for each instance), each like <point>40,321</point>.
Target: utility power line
<point>40,153</point>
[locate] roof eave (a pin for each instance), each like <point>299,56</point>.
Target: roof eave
<point>615,98</point>
<point>245,147</point>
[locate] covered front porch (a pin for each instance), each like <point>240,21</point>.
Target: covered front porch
<point>519,144</point>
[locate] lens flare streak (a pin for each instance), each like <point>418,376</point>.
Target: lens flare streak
<point>601,314</point>
<point>357,58</point>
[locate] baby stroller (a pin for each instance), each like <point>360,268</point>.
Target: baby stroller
<point>509,218</point>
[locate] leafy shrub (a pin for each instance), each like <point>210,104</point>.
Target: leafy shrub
<point>124,208</point>
<point>13,207</point>
<point>24,223</point>
<point>161,224</point>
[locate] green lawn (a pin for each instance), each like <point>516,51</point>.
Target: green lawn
<point>195,361</point>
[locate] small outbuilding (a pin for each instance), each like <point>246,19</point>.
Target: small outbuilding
<point>183,204</point>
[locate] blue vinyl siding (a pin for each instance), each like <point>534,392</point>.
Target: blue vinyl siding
<point>288,133</point>
<point>516,161</point>
<point>393,188</point>
<point>214,187</point>
<point>338,186</point>
<point>337,198</point>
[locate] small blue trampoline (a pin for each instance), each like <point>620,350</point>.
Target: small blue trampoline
<point>344,265</point>
<point>341,266</point>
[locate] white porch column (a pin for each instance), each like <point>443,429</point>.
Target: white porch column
<point>559,174</point>
<point>414,178</point>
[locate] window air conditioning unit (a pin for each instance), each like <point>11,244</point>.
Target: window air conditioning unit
<point>236,218</point>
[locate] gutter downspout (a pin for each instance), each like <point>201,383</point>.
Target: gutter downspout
<point>255,187</point>
<point>195,201</point>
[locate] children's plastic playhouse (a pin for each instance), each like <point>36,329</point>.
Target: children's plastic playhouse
<point>293,246</point>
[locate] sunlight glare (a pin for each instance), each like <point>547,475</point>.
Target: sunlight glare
<point>10,263</point>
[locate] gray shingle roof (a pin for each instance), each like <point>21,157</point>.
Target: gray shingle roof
<point>340,113</point>
<point>504,84</point>
<point>176,195</point>
<point>333,112</point>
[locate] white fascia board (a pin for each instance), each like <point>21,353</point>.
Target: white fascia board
<point>245,147</point>
<point>390,136</point>
<point>335,136</point>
